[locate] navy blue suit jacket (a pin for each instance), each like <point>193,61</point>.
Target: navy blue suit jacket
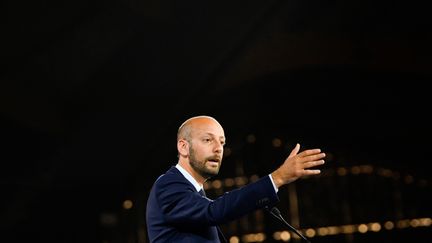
<point>176,212</point>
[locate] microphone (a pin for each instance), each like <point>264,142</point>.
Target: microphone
<point>277,214</point>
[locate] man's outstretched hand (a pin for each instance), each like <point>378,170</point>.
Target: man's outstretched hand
<point>298,165</point>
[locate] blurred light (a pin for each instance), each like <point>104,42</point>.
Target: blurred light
<point>408,179</point>
<point>415,223</point>
<point>375,227</point>
<point>389,225</point>
<point>285,236</point>
<point>276,142</point>
<point>277,235</point>
<point>251,138</point>
<point>402,223</point>
<point>254,178</point>
<point>425,221</point>
<point>245,238</point>
<point>310,233</point>
<point>367,169</point>
<point>348,229</point>
<point>229,182</point>
<point>240,181</point>
<point>259,237</point>
<point>127,204</point>
<point>342,171</point>
<point>217,184</point>
<point>333,230</point>
<point>234,239</point>
<point>385,172</point>
<point>362,228</point>
<point>355,170</point>
<point>323,231</point>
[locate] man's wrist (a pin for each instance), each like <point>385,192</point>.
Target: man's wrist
<point>276,179</point>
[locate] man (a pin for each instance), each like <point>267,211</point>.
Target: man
<point>177,209</point>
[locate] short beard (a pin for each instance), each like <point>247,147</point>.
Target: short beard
<point>199,166</point>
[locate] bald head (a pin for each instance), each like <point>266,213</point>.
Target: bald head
<point>185,130</point>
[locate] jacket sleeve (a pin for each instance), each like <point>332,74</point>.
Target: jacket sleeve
<point>181,204</point>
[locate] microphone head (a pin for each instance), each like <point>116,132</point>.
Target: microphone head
<point>276,211</point>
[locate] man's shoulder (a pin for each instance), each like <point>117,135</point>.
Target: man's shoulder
<point>171,176</point>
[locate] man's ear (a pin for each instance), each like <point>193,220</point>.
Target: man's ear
<point>183,147</point>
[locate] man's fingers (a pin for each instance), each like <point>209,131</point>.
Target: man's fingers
<point>313,157</point>
<point>295,150</point>
<point>312,172</point>
<point>313,163</point>
<point>309,152</point>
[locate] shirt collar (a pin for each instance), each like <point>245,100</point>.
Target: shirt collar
<point>189,177</point>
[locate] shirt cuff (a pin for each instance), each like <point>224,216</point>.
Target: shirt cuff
<point>274,185</point>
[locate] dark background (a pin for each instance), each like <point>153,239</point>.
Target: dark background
<point>92,93</point>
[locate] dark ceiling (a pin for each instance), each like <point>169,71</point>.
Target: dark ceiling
<point>92,92</point>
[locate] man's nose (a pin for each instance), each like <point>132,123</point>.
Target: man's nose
<point>218,147</point>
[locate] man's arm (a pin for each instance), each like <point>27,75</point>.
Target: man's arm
<point>183,206</point>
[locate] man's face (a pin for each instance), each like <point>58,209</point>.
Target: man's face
<point>205,166</point>
<point>205,152</point>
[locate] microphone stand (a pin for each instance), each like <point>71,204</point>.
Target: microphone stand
<point>277,214</point>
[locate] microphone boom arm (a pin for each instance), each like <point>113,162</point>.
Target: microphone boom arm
<point>277,214</point>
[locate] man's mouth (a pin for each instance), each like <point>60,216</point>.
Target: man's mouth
<point>215,161</point>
